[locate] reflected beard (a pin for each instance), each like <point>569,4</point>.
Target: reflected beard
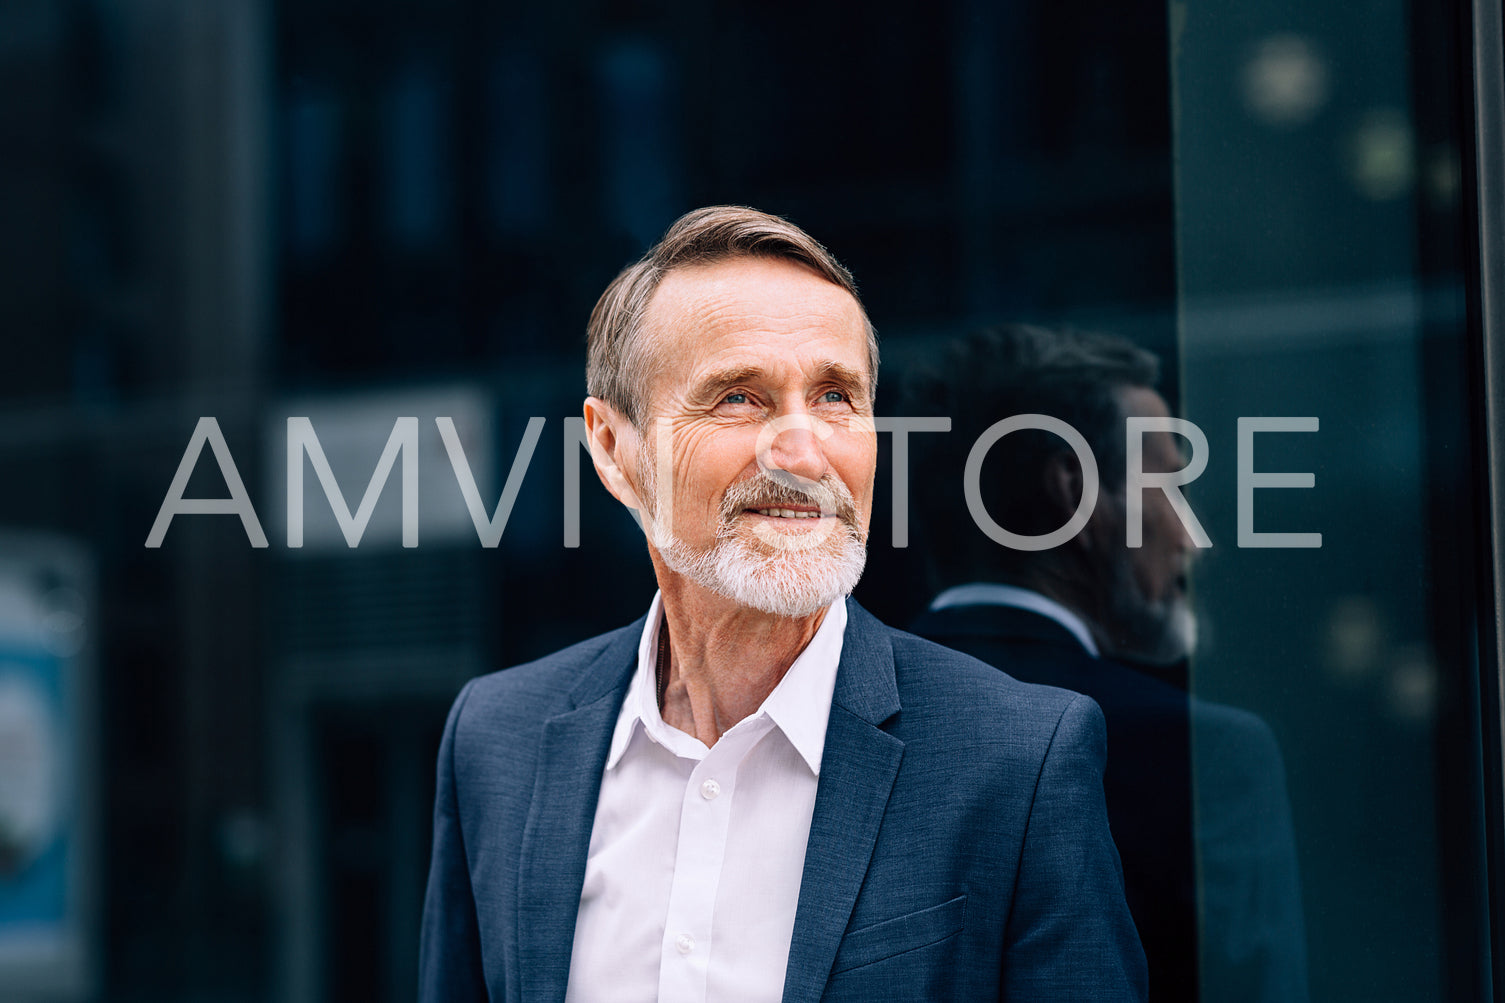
<point>789,575</point>
<point>1155,632</point>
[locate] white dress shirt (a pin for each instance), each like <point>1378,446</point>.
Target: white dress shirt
<point>994,594</point>
<point>696,853</point>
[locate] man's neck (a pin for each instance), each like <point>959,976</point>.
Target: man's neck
<point>724,659</point>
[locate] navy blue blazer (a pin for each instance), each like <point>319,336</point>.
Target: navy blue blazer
<point>959,847</point>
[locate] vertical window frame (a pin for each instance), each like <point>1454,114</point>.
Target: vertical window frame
<point>1487,65</point>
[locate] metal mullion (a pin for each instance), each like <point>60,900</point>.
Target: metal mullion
<point>1488,66</point>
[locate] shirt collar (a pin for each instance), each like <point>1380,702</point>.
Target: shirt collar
<point>994,594</point>
<point>799,705</point>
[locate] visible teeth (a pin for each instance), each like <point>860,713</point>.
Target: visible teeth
<point>787,513</point>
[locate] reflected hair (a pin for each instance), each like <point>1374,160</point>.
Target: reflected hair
<point>1076,376</point>
<point>619,363</point>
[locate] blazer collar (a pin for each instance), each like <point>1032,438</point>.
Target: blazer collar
<point>611,670</point>
<point>865,684</point>
<point>556,839</point>
<point>799,705</point>
<point>857,775</point>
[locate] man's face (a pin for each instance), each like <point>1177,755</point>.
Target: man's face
<point>1148,613</point>
<point>758,452</point>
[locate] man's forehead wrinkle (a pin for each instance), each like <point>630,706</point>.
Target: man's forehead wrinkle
<point>753,288</point>
<point>739,314</point>
<point>773,320</point>
<point>704,353</point>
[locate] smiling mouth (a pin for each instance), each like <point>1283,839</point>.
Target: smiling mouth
<point>788,513</point>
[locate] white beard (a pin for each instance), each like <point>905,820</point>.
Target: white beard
<point>785,583</point>
<point>789,575</point>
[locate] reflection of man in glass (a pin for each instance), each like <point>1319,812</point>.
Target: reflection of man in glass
<point>1099,617</point>
<point>758,792</point>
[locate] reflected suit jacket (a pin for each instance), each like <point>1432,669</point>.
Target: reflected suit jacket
<point>958,850</point>
<point>1248,946</point>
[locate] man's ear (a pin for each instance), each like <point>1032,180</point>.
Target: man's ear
<point>612,439</point>
<point>1063,486</point>
<point>1063,490</point>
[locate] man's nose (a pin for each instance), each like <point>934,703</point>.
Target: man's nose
<point>1179,541</point>
<point>796,451</point>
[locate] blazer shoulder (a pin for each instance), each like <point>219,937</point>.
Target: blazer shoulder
<point>1236,749</point>
<point>935,679</point>
<point>535,690</point>
<point>969,676</point>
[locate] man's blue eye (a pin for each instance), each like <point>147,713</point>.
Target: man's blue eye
<point>736,398</point>
<point>833,397</point>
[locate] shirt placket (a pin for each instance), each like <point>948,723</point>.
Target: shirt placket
<point>704,826</point>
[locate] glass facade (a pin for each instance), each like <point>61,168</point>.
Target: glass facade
<point>1321,222</point>
<point>355,213</point>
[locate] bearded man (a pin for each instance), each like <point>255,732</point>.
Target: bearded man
<point>1098,616</point>
<point>758,792</point>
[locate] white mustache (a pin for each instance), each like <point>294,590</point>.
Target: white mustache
<point>768,490</point>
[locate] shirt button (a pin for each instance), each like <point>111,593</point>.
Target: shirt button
<point>709,790</point>
<point>684,943</point>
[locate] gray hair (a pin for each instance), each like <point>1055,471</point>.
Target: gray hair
<point>618,363</point>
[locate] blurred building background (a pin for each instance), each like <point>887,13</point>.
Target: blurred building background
<point>252,209</point>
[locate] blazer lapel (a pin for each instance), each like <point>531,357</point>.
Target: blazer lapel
<point>556,840</point>
<point>857,773</point>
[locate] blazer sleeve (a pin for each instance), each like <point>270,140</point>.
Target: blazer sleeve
<point>1069,934</point>
<point>449,953</point>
